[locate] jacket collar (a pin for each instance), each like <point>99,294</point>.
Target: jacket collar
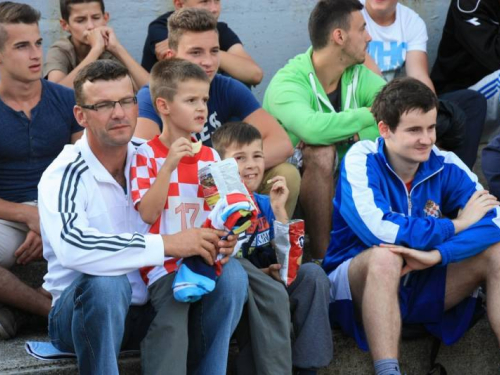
<point>426,169</point>
<point>349,78</point>
<point>97,169</point>
<point>319,92</point>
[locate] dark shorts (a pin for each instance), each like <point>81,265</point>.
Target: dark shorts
<point>421,300</point>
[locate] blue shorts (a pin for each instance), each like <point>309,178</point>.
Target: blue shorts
<point>421,300</point>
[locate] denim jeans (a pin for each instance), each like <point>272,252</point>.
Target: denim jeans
<point>89,319</point>
<point>93,318</point>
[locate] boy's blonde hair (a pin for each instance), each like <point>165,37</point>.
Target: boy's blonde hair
<point>189,20</point>
<point>235,132</point>
<point>166,74</point>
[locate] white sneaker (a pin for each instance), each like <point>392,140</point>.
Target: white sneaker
<point>8,324</point>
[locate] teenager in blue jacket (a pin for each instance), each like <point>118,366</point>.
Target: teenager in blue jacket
<point>414,233</point>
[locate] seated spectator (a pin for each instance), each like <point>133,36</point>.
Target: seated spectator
<point>414,234</point>
<point>160,193</point>
<point>399,39</point>
<point>234,60</point>
<point>36,122</point>
<point>89,39</point>
<point>490,163</point>
<point>468,55</point>
<point>322,99</point>
<point>193,36</point>
<point>267,309</point>
<point>94,249</point>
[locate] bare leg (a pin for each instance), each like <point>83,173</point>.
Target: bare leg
<point>374,277</point>
<point>13,292</point>
<point>316,195</point>
<point>462,278</point>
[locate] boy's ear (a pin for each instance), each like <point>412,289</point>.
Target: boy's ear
<point>162,106</point>
<point>106,17</point>
<point>170,54</point>
<point>383,129</point>
<point>64,24</point>
<point>178,4</point>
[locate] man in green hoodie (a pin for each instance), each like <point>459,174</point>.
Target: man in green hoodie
<point>322,98</point>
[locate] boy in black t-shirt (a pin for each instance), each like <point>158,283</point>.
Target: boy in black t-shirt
<point>234,60</point>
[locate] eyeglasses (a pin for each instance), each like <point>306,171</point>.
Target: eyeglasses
<point>109,106</point>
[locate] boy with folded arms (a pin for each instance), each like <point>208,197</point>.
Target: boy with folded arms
<point>90,39</point>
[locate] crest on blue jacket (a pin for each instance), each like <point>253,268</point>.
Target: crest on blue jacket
<point>432,209</point>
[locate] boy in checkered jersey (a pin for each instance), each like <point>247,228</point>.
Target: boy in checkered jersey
<point>166,190</point>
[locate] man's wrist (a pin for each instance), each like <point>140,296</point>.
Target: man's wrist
<point>459,225</point>
<point>437,256</point>
<point>116,49</point>
<point>95,52</point>
<point>26,212</point>
<point>167,245</point>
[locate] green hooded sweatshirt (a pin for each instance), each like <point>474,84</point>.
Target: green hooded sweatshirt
<point>297,100</point>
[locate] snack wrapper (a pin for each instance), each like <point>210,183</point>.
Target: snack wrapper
<point>219,179</point>
<point>289,244</point>
<point>232,207</point>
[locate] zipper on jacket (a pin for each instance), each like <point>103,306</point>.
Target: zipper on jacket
<point>408,195</point>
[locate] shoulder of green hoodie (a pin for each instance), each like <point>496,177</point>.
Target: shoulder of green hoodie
<point>297,100</point>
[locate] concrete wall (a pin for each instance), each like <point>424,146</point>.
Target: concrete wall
<point>272,31</point>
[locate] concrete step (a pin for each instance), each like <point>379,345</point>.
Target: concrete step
<point>475,353</point>
<point>15,360</point>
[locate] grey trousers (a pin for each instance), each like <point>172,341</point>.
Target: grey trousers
<point>166,343</point>
<point>198,332</point>
<point>268,321</point>
<point>264,331</point>
<point>309,301</point>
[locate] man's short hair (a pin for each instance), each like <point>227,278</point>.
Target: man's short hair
<point>237,133</point>
<point>166,74</point>
<point>104,70</point>
<point>400,96</point>
<point>184,20</point>
<point>65,6</point>
<point>328,15</point>
<point>12,13</point>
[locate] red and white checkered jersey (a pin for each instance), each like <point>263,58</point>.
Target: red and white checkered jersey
<point>185,207</point>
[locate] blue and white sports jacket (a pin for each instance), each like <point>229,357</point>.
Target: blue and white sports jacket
<point>372,206</point>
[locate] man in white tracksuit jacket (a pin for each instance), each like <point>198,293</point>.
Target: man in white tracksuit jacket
<point>93,251</point>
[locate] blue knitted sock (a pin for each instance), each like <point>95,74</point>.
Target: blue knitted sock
<point>194,279</point>
<point>388,366</point>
